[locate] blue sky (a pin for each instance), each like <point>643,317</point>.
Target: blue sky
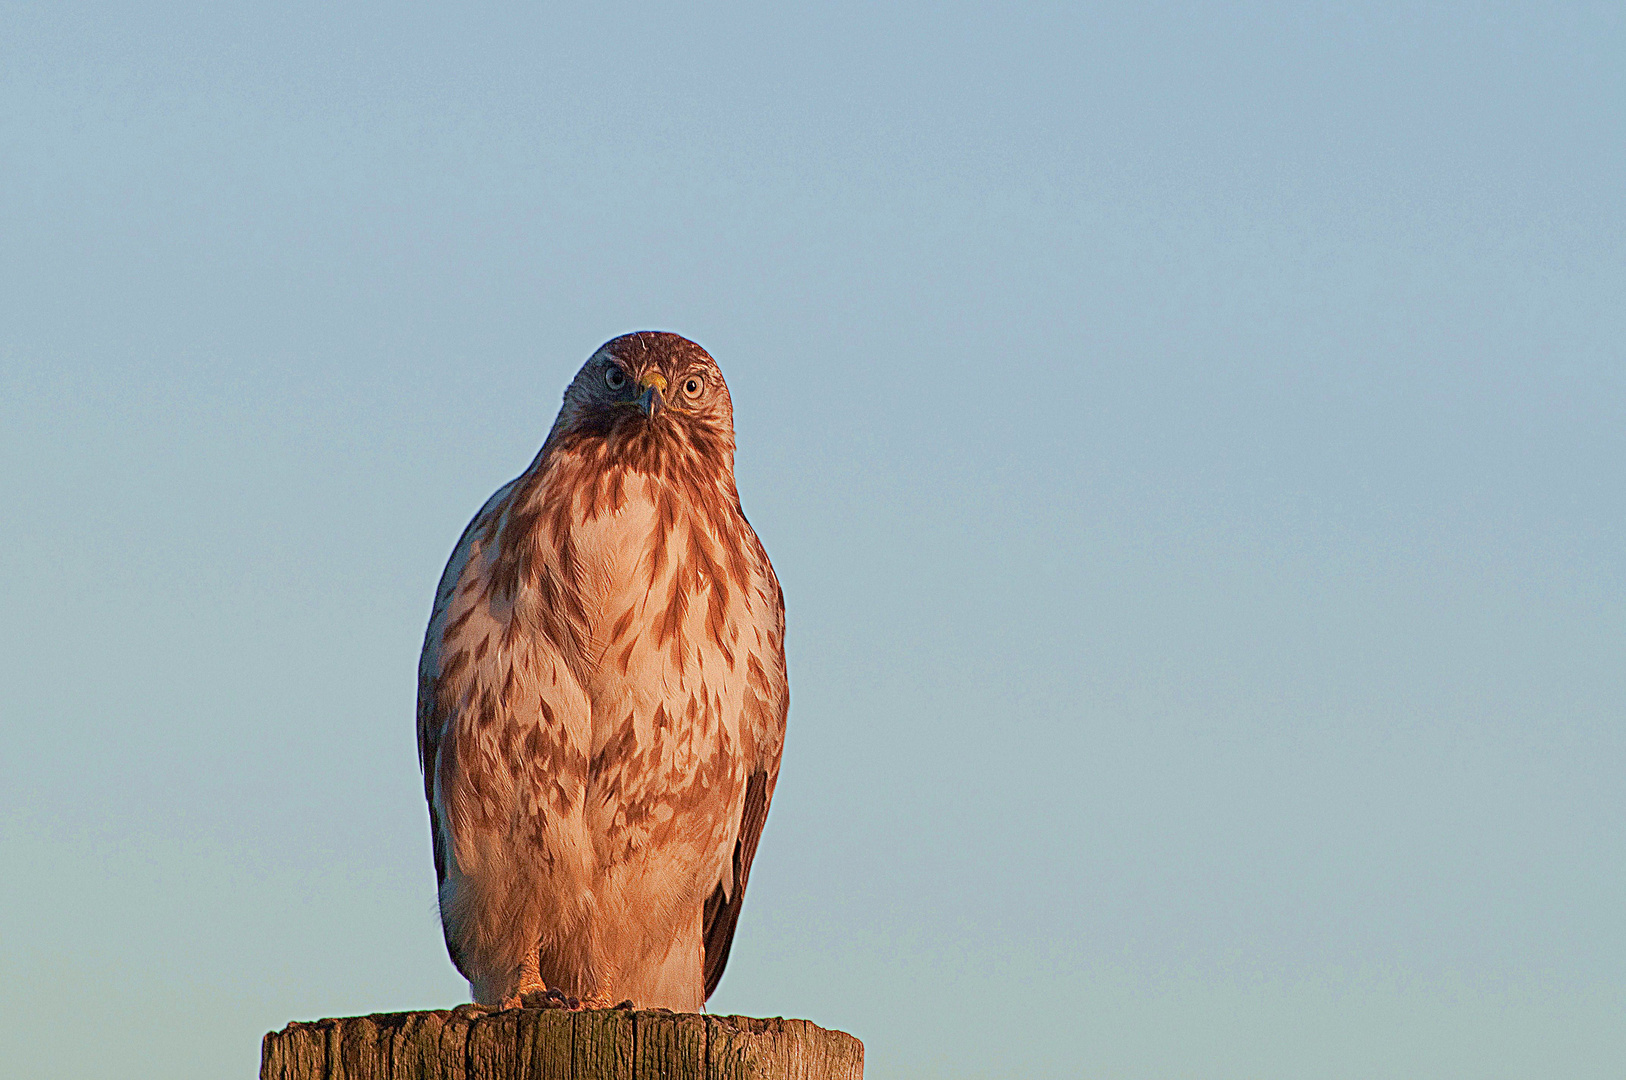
<point>1190,439</point>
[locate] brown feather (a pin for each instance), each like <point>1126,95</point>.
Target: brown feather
<point>723,910</point>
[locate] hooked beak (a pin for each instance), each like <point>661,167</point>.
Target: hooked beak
<point>654,385</point>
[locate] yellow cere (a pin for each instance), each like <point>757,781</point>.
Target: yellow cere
<point>655,379</point>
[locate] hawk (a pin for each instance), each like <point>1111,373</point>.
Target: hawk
<point>602,698</point>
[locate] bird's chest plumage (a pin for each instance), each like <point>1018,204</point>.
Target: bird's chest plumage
<point>661,628</point>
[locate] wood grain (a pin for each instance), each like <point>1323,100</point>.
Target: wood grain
<point>549,1044</point>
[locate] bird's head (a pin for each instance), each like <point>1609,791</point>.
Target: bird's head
<point>649,398</point>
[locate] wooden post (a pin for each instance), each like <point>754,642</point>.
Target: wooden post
<point>553,1044</point>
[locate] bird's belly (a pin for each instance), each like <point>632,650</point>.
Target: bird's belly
<point>664,783</point>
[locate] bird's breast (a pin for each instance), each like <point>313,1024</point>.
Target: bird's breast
<point>645,567</point>
<point>662,646</point>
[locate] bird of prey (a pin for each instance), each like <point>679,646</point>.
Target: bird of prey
<point>602,699</point>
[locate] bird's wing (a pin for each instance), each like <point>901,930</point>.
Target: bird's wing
<point>440,645</point>
<point>767,702</point>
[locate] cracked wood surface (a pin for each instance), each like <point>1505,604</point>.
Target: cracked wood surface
<point>551,1044</point>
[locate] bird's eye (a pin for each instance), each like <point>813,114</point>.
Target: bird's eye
<point>693,386</point>
<point>614,377</point>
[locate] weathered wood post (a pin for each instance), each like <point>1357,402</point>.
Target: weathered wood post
<point>553,1044</point>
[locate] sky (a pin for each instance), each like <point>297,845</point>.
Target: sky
<point>1190,437</point>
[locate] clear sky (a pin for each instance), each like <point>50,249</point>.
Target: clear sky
<point>1191,439</point>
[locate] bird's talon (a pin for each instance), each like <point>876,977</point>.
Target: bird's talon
<point>545,999</point>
